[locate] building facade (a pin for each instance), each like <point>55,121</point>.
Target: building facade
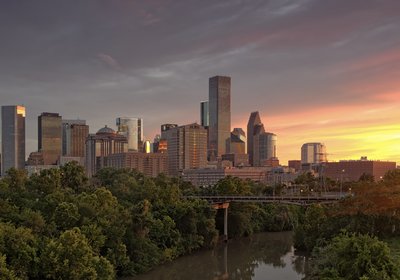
<point>219,116</point>
<point>186,148</point>
<point>132,129</point>
<point>150,164</point>
<point>352,170</point>
<point>313,153</point>
<point>100,145</point>
<point>70,139</point>
<point>253,124</point>
<point>204,114</point>
<point>50,137</point>
<point>237,142</point>
<point>264,148</point>
<point>13,137</point>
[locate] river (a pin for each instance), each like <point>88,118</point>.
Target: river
<point>261,256</point>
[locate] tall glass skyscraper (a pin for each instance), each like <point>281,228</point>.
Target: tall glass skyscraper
<point>254,126</point>
<point>50,137</point>
<point>132,129</point>
<point>204,115</point>
<point>220,116</point>
<point>13,138</point>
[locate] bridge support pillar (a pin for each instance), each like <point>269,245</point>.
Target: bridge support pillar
<point>224,206</point>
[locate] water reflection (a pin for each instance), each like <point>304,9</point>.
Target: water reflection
<point>261,256</point>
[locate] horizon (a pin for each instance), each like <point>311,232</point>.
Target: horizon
<point>316,72</point>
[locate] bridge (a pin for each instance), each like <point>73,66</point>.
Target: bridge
<point>223,201</point>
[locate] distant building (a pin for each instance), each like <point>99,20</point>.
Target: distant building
<point>132,129</point>
<point>74,137</point>
<point>13,138</point>
<point>313,153</point>
<point>238,160</point>
<point>50,137</point>
<point>204,115</point>
<point>295,164</point>
<point>150,164</point>
<point>253,124</point>
<point>100,145</point>
<point>166,127</point>
<point>270,162</point>
<point>238,141</point>
<point>66,124</point>
<point>210,177</point>
<point>186,148</point>
<point>35,158</point>
<point>219,116</point>
<point>352,170</point>
<point>264,144</point>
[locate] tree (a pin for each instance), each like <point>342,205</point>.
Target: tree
<point>71,257</point>
<point>354,257</point>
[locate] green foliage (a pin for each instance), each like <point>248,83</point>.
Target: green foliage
<point>353,257</point>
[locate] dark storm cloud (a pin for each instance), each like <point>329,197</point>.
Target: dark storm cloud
<point>100,59</point>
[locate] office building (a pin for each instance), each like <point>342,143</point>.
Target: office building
<point>219,116</point>
<point>100,145</point>
<point>50,137</point>
<point>264,148</point>
<point>66,124</point>
<point>254,126</point>
<point>295,164</point>
<point>352,170</point>
<point>204,115</point>
<point>186,148</point>
<point>313,153</point>
<point>132,129</point>
<point>237,142</point>
<point>74,137</point>
<point>12,138</point>
<point>237,160</point>
<point>150,164</point>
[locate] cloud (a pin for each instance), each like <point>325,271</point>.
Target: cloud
<point>109,61</point>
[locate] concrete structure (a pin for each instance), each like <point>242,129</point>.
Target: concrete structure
<point>100,145</point>
<point>186,148</point>
<point>351,170</point>
<point>210,177</point>
<point>132,129</point>
<point>204,115</point>
<point>150,164</point>
<point>220,116</point>
<point>264,148</point>
<point>74,137</point>
<point>12,138</point>
<point>253,124</point>
<point>35,158</point>
<point>50,137</point>
<point>313,153</point>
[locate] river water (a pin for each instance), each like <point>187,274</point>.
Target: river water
<point>261,256</point>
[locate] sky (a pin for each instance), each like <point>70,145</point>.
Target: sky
<point>317,71</point>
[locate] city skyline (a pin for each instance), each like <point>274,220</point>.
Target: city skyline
<point>312,77</point>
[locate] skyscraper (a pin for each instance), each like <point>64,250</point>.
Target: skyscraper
<point>253,125</point>
<point>220,116</point>
<point>264,148</point>
<point>132,129</point>
<point>238,141</point>
<point>186,148</point>
<point>204,115</point>
<point>74,134</point>
<point>50,137</point>
<point>13,138</point>
<point>313,153</point>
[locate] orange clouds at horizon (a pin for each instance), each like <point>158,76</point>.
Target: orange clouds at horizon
<point>348,131</point>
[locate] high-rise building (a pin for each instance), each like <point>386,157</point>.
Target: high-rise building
<point>13,138</point>
<point>238,141</point>
<point>100,145</point>
<point>204,115</point>
<point>132,129</point>
<point>50,137</point>
<point>219,116</point>
<point>186,148</point>
<point>253,124</point>
<point>74,134</point>
<point>66,124</point>
<point>264,148</point>
<point>313,153</point>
